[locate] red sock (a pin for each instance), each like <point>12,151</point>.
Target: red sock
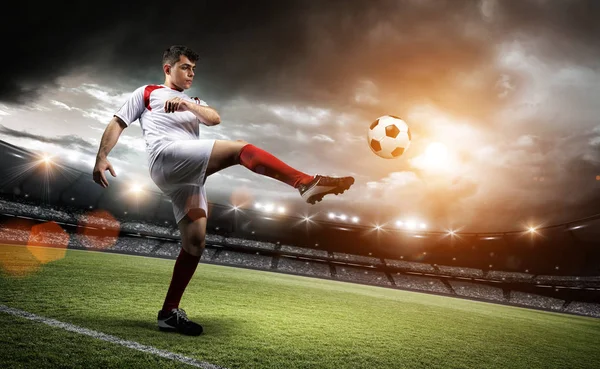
<point>184,269</point>
<point>261,162</point>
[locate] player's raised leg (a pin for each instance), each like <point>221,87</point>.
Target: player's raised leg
<point>193,230</point>
<point>312,188</point>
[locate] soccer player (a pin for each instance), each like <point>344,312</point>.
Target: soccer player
<point>179,162</point>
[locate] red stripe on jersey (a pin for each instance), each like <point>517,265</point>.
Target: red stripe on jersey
<point>147,92</point>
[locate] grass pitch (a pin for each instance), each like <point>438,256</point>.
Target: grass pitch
<point>257,319</point>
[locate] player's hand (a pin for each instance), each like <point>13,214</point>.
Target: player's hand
<point>102,165</point>
<point>176,104</point>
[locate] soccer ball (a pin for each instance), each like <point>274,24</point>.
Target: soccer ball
<point>389,136</point>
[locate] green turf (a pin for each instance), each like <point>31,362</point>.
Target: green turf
<point>47,347</point>
<point>256,319</point>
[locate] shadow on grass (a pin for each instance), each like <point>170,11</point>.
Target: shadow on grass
<point>213,326</point>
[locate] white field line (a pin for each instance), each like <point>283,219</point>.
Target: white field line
<point>108,338</point>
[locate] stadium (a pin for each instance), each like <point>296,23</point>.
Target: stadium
<point>65,241</point>
<point>300,184</point>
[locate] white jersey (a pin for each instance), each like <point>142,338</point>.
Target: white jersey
<point>147,103</point>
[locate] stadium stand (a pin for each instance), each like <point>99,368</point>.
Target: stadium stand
<point>569,281</point>
<point>213,238</point>
<point>244,259</point>
<point>477,290</point>
<point>303,251</point>
<point>499,275</point>
<point>304,267</point>
<point>356,258</point>
<point>349,273</point>
<point>530,299</point>
<point>250,243</point>
<point>413,282</point>
<point>410,266</point>
<point>584,308</point>
<point>460,271</point>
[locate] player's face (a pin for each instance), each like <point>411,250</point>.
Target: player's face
<point>182,73</point>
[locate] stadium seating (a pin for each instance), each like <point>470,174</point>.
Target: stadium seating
<point>150,239</point>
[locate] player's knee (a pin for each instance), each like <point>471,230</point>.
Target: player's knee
<point>192,249</point>
<point>197,241</point>
<point>238,152</point>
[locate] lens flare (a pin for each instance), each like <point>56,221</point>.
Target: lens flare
<point>48,242</point>
<point>241,197</point>
<point>15,259</point>
<point>99,230</point>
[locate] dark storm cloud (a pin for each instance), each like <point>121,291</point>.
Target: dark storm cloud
<point>291,50</point>
<point>128,38</point>
<point>70,142</point>
<point>566,30</point>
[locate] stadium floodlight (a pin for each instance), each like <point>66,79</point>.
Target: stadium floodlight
<point>235,207</point>
<point>377,227</point>
<point>46,159</point>
<point>451,233</point>
<point>423,226</point>
<point>532,230</point>
<point>355,219</point>
<point>269,208</point>
<point>258,205</point>
<point>281,210</point>
<point>331,215</point>
<point>399,223</point>
<point>411,225</point>
<point>343,217</point>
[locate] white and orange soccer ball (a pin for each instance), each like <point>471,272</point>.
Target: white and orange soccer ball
<point>389,137</point>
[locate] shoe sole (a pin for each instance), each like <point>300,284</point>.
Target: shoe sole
<point>336,191</point>
<point>164,329</point>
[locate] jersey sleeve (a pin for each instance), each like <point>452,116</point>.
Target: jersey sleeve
<point>133,107</point>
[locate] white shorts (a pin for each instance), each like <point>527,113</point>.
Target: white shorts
<point>180,172</point>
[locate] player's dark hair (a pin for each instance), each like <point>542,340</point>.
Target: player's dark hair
<point>173,53</point>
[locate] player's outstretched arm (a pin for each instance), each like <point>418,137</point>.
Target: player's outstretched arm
<point>109,140</point>
<point>207,115</point>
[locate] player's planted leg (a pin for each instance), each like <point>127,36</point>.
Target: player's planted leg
<point>311,188</point>
<point>171,317</point>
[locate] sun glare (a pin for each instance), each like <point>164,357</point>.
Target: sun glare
<point>436,158</point>
<point>437,153</point>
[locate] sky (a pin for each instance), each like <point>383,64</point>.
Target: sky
<point>510,88</point>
